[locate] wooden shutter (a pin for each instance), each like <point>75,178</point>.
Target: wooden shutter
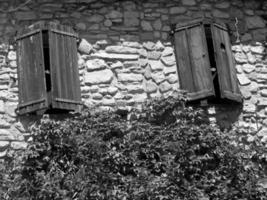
<point>31,75</point>
<point>64,68</point>
<point>225,63</point>
<point>193,60</point>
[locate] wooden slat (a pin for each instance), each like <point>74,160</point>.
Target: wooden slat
<point>31,73</point>
<point>183,62</point>
<point>65,77</point>
<point>193,62</point>
<point>225,65</point>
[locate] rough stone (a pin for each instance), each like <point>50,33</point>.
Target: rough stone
<point>133,89</point>
<point>249,108</point>
<point>108,102</point>
<point>151,87</point>
<point>2,107</point>
<point>262,132</point>
<point>114,14</point>
<point>170,70</point>
<point>157,24</point>
<point>115,56</point>
<point>4,145</point>
<point>164,87</point>
<point>149,45</point>
<point>3,153</point>
<point>264,92</point>
<point>189,2</point>
<point>95,18</point>
<point>131,18</point>
<point>12,55</point>
<point>243,80</point>
<point>18,145</point>
<point>121,49</point>
<point>112,90</point>
<point>117,65</point>
<point>85,47</point>
<point>159,46</point>
<point>4,124</point>
<point>251,58</point>
<point>257,49</point>
<point>241,58</point>
<point>81,26</point>
<point>156,65</point>
<point>177,10</point>
<point>246,37</point>
<point>220,14</point>
<point>168,60</point>
<point>146,26</point>
<point>97,96</point>
<point>246,94</point>
<point>124,77</point>
<point>248,68</point>
<point>28,15</point>
<point>10,109</point>
<point>95,64</point>
<point>108,23</point>
<point>99,77</point>
<point>153,55</point>
<point>172,78</point>
<point>222,5</point>
<point>239,69</point>
<point>158,77</point>
<point>147,73</point>
<point>255,22</point>
<point>259,34</point>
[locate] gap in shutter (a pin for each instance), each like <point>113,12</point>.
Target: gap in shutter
<point>213,66</point>
<point>46,60</point>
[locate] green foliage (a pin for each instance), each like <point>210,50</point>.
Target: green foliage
<point>167,151</point>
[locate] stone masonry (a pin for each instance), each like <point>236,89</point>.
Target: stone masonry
<point>128,56</point>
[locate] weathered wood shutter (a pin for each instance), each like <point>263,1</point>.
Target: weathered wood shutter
<point>31,75</point>
<point>64,68</point>
<point>225,63</point>
<point>193,60</point>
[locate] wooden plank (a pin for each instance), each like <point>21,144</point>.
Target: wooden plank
<point>31,74</point>
<point>64,68</point>
<point>200,59</point>
<point>193,62</point>
<point>225,65</point>
<point>183,61</point>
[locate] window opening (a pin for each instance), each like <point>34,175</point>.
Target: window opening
<point>46,60</point>
<point>213,66</point>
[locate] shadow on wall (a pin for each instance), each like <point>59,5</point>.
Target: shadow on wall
<point>224,115</point>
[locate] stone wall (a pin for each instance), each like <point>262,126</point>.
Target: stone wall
<point>132,58</point>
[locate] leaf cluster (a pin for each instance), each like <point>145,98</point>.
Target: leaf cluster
<point>166,151</point>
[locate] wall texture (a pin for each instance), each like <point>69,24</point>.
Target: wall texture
<point>132,56</point>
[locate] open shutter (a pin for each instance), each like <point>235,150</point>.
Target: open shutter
<point>225,63</point>
<point>31,75</point>
<point>64,68</point>
<point>193,60</point>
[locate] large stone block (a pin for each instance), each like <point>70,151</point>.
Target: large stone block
<point>151,87</point>
<point>220,14</point>
<point>115,56</point>
<point>177,10</point>
<point>99,77</point>
<point>96,64</point>
<point>125,77</point>
<point>255,22</point>
<point>121,49</point>
<point>131,18</point>
<point>25,15</point>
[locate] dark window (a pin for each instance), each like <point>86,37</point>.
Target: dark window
<point>204,59</point>
<point>47,69</point>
